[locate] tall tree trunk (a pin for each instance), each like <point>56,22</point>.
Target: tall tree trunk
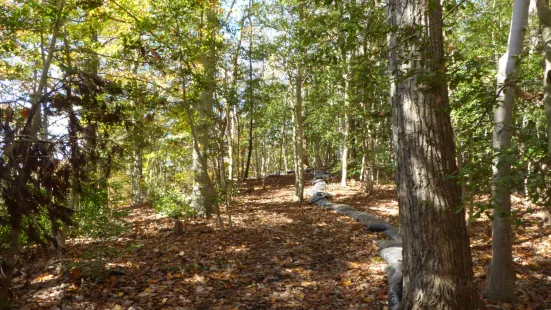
<point>298,143</point>
<point>284,148</point>
<point>344,93</point>
<point>345,131</point>
<point>251,103</point>
<point>436,255</point>
<point>203,196</point>
<point>250,148</point>
<point>500,274</point>
<point>544,14</point>
<point>281,148</point>
<point>232,103</point>
<point>238,146</point>
<point>257,163</point>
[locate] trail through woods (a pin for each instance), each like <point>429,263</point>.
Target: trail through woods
<point>278,255</point>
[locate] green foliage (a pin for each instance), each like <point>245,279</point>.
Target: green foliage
<point>95,216</point>
<point>171,203</point>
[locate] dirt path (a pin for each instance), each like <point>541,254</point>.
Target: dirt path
<point>278,255</point>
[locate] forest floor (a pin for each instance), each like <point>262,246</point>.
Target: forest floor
<point>278,255</point>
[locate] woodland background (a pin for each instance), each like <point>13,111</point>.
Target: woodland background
<point>174,106</point>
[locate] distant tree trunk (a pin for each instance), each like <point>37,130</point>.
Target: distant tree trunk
<point>266,157</point>
<point>344,155</point>
<point>229,137</point>
<point>367,167</point>
<point>230,134</point>
<point>137,175</point>
<point>437,260</point>
<point>250,149</point>
<point>501,274</point>
<point>238,146</point>
<point>257,161</point>
<point>345,94</point>
<point>284,150</point>
<point>232,103</point>
<point>251,102</point>
<point>281,148</point>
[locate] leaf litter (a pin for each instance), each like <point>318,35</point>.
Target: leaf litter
<point>278,255</point>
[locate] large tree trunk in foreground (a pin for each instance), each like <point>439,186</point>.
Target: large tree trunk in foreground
<point>501,275</point>
<point>544,14</point>
<point>437,260</point>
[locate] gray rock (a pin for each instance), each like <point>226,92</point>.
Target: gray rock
<point>343,208</point>
<point>395,284</point>
<point>378,225</point>
<point>365,218</point>
<point>393,234</point>
<point>391,255</point>
<point>355,214</point>
<point>315,197</point>
<point>383,244</point>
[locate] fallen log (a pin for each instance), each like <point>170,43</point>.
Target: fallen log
<point>389,250</point>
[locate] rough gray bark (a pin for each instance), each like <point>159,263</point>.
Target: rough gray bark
<point>203,196</point>
<point>232,103</point>
<point>299,147</point>
<point>501,275</point>
<point>544,14</point>
<point>298,143</point>
<point>344,88</point>
<point>251,102</point>
<point>437,260</point>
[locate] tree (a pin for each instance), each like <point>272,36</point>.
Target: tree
<point>203,194</point>
<point>544,15</point>
<point>437,261</point>
<point>297,109</point>
<point>501,275</point>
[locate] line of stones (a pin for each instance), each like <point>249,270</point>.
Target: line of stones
<point>389,250</point>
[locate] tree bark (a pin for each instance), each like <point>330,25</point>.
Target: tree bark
<point>544,14</point>
<point>299,145</point>
<point>437,260</point>
<point>251,103</point>
<point>203,196</point>
<point>501,275</point>
<point>137,175</point>
<point>232,102</point>
<point>344,92</point>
